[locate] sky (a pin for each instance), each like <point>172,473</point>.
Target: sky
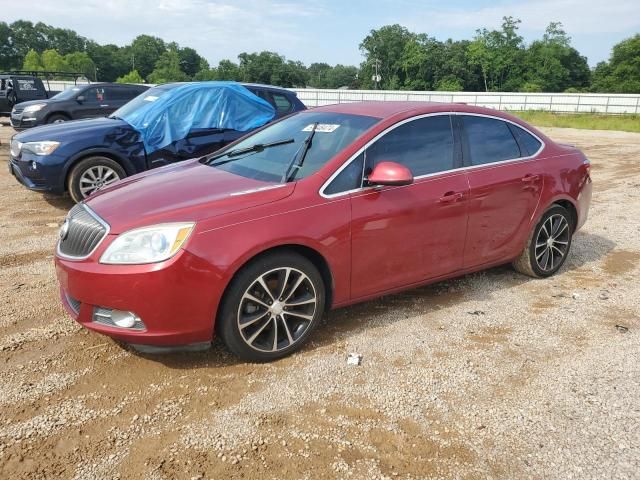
<point>325,30</point>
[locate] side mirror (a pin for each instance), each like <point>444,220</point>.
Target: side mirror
<point>80,98</point>
<point>390,173</point>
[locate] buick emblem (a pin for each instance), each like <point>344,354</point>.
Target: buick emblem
<point>64,230</point>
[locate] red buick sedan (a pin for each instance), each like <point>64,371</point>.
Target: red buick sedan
<point>322,209</point>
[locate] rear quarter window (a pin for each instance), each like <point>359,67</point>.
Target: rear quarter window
<point>528,142</point>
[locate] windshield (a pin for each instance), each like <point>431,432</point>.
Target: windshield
<point>145,98</point>
<point>334,132</point>
<point>67,94</point>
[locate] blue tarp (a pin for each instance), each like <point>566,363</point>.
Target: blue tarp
<point>195,106</point>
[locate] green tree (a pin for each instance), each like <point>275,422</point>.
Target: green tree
<point>449,84</point>
<point>81,62</point>
<point>132,77</point>
<point>110,60</point>
<point>622,73</point>
<point>167,69</point>
<point>145,51</point>
<point>53,61</point>
<point>499,54</point>
<point>553,65</point>
<point>32,61</point>
<point>9,57</point>
<point>190,62</point>
<point>343,76</point>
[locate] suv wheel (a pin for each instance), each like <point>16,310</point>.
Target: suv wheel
<point>92,174</point>
<point>57,118</point>
<point>271,307</point>
<point>548,246</point>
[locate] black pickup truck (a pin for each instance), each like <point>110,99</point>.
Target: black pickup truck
<point>23,86</point>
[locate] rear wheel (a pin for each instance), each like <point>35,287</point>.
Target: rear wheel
<point>57,118</point>
<point>549,244</point>
<point>91,174</point>
<point>271,307</point>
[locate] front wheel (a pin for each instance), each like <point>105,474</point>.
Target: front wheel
<point>271,307</point>
<point>548,245</point>
<point>91,174</point>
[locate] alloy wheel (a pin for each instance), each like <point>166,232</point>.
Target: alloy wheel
<point>277,309</point>
<point>552,242</point>
<point>95,178</point>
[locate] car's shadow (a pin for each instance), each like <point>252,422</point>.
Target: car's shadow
<point>59,202</point>
<point>342,323</point>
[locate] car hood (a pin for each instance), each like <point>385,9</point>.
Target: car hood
<point>46,101</point>
<point>189,191</point>
<point>70,130</point>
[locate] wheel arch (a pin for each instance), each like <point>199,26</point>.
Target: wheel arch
<point>311,254</point>
<point>97,152</point>
<point>57,112</point>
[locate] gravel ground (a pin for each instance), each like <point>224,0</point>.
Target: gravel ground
<point>493,375</point>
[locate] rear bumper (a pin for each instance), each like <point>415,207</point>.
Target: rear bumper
<point>176,300</point>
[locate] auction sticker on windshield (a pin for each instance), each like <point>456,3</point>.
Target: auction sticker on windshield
<point>322,128</point>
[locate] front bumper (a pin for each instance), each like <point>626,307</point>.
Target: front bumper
<point>44,178</point>
<point>21,121</point>
<point>176,300</point>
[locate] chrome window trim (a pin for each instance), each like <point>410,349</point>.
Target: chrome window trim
<point>459,169</point>
<point>106,233</point>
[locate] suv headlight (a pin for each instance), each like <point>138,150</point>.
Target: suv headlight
<point>40,148</point>
<point>148,244</point>
<point>15,148</point>
<point>34,108</point>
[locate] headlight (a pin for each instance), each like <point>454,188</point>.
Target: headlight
<point>34,108</point>
<point>148,244</point>
<point>40,148</point>
<point>15,148</point>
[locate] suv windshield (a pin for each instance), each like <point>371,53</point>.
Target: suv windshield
<point>135,106</point>
<point>333,132</point>
<point>67,94</point>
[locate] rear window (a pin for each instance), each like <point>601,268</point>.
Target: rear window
<point>490,140</point>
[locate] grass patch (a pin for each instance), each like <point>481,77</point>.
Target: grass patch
<point>588,121</point>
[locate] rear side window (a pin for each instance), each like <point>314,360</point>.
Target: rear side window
<point>281,102</point>
<point>424,146</point>
<point>122,93</point>
<point>348,179</point>
<point>490,140</point>
<point>528,142</point>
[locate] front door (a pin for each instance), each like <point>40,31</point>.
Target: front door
<point>405,235</point>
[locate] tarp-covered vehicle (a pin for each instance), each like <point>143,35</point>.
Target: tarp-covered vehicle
<point>164,125</point>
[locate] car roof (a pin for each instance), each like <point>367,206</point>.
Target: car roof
<point>383,109</point>
<point>267,87</point>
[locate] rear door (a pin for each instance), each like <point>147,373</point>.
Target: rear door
<point>505,184</point>
<point>404,235</point>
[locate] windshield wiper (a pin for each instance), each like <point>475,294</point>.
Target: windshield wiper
<point>234,154</point>
<point>295,164</point>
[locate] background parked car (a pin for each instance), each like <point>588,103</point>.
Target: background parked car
<point>21,86</point>
<point>81,157</point>
<point>78,102</point>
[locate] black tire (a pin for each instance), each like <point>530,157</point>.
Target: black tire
<point>76,176</point>
<point>288,326</point>
<point>57,118</point>
<point>540,259</point>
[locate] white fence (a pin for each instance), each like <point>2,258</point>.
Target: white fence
<point>553,102</point>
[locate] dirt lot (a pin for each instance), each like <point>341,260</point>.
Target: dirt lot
<point>494,375</point>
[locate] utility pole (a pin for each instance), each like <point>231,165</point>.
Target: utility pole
<point>376,76</point>
<point>133,61</point>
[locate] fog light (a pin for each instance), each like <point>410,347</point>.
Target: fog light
<point>34,165</point>
<point>117,318</point>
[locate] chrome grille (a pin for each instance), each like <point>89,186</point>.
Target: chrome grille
<point>81,233</point>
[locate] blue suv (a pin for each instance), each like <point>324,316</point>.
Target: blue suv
<point>83,156</point>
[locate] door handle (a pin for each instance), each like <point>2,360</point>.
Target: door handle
<point>530,178</point>
<point>104,105</point>
<point>451,197</point>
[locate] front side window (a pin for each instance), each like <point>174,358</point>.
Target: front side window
<point>490,140</point>
<point>424,146</point>
<point>350,178</point>
<point>94,95</point>
<point>334,132</point>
